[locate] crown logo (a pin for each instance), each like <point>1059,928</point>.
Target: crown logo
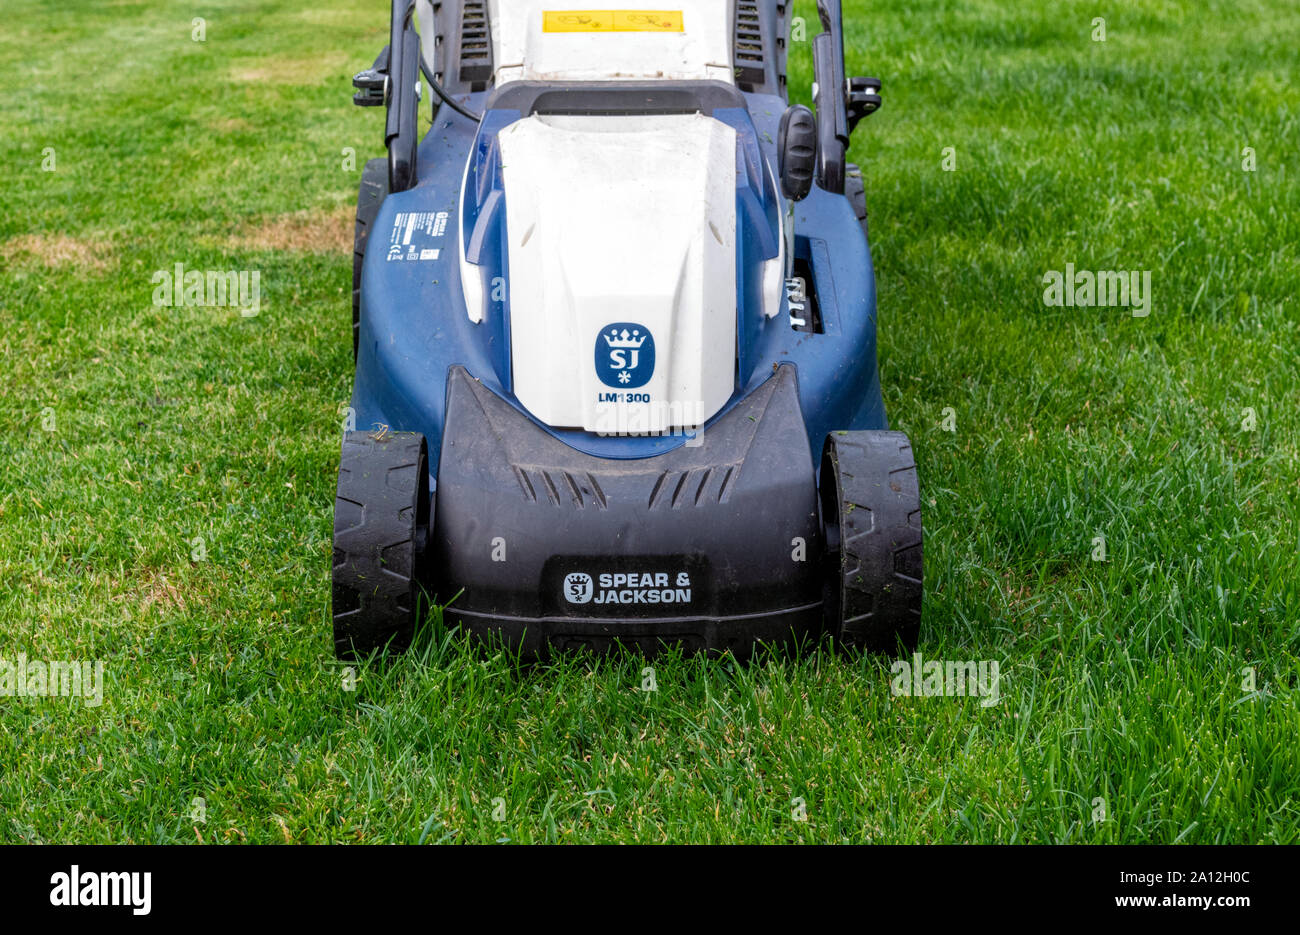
<point>616,340</point>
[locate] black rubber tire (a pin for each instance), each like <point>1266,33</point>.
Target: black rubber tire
<point>871,512</point>
<point>855,190</point>
<point>373,191</point>
<point>381,527</point>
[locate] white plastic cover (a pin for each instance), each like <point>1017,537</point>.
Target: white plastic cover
<point>522,47</point>
<point>622,269</point>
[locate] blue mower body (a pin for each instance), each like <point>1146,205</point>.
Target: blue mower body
<point>786,510</point>
<point>414,326</point>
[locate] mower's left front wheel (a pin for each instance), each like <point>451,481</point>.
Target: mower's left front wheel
<point>381,527</point>
<point>871,514</point>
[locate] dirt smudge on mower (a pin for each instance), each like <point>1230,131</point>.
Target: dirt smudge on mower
<point>308,231</point>
<point>54,251</point>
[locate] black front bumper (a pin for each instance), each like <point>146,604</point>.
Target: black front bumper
<point>713,547</point>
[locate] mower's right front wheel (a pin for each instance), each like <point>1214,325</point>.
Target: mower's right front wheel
<point>381,527</point>
<point>871,515</point>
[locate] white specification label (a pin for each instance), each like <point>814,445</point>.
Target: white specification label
<point>412,231</point>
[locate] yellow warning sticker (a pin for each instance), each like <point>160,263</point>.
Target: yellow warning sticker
<point>648,21</point>
<point>612,21</point>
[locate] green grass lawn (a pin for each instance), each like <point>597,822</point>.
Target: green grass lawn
<point>128,432</point>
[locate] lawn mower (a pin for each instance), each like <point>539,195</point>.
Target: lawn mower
<point>614,327</point>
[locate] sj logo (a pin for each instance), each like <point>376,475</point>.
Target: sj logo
<point>577,588</point>
<point>625,355</point>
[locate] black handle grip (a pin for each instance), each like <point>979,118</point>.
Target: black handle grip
<point>402,130</point>
<point>832,121</point>
<point>797,152</point>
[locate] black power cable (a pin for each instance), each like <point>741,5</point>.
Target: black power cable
<point>442,93</point>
